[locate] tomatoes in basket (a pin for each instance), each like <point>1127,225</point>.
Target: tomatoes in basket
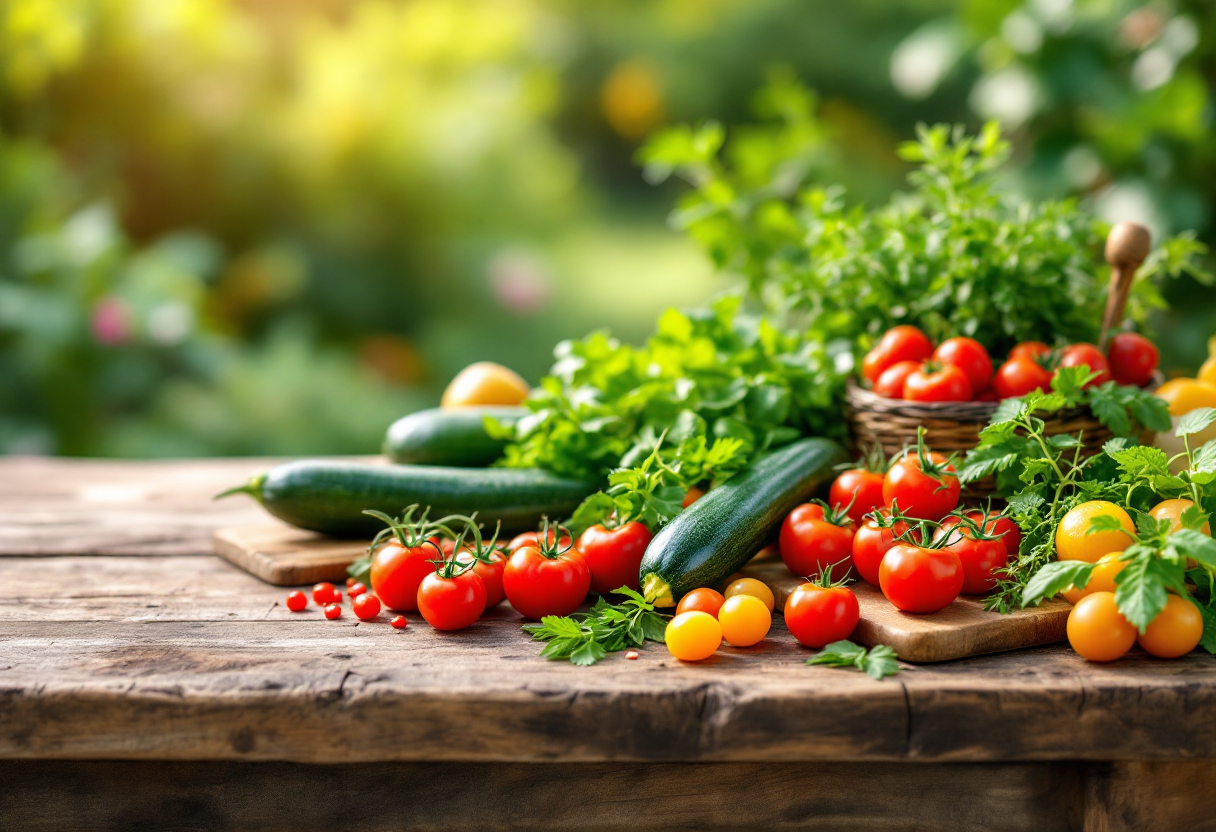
<point>935,382</point>
<point>614,555</point>
<point>874,537</point>
<point>1019,377</point>
<point>1077,355</point>
<point>920,579</point>
<point>891,382</point>
<point>546,580</point>
<point>398,570</point>
<point>819,613</point>
<point>1132,359</point>
<point>813,539</point>
<point>924,484</point>
<point>969,356</point>
<point>899,343</point>
<point>451,599</point>
<point>857,490</point>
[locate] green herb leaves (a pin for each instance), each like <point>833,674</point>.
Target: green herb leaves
<point>877,662</point>
<point>585,638</point>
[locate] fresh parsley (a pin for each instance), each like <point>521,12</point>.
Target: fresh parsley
<point>877,662</point>
<point>585,638</point>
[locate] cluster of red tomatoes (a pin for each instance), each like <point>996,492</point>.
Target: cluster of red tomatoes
<point>452,583</point>
<point>904,364</point>
<point>901,531</point>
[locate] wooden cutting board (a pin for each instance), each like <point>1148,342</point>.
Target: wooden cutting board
<point>962,629</point>
<point>285,556</point>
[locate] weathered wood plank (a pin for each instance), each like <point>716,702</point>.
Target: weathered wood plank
<point>284,556</point>
<point>962,629</point>
<point>68,796</point>
<point>1151,796</point>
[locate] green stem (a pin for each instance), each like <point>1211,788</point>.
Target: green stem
<point>253,488</point>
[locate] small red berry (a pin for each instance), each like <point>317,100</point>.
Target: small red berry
<point>333,611</point>
<point>337,596</point>
<point>296,601</point>
<point>323,593</point>
<point>350,582</point>
<point>631,655</point>
<point>366,606</point>
<point>355,590</point>
<point>399,622</point>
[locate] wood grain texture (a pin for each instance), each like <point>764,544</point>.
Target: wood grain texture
<point>962,629</point>
<point>269,797</point>
<point>1151,797</point>
<point>285,556</point>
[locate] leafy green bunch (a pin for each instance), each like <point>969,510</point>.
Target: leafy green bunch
<point>585,638</point>
<point>709,390</point>
<point>1157,559</point>
<point>953,255</point>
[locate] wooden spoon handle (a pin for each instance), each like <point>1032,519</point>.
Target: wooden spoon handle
<point>1126,247</point>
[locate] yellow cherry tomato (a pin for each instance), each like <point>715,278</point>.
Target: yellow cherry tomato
<point>1207,373</point>
<point>1186,394</point>
<point>745,620</point>
<point>1097,630</point>
<point>750,586</point>
<point>1172,510</point>
<point>1175,631</point>
<point>693,636</point>
<point>485,383</point>
<point>1073,541</point>
<point>1102,579</point>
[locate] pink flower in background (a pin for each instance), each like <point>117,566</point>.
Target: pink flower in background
<point>111,322</point>
<point>520,282</point>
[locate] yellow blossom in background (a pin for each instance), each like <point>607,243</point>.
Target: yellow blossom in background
<point>632,98</point>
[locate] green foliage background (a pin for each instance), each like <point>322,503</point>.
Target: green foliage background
<point>239,227</point>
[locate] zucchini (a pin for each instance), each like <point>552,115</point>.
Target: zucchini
<point>719,533</point>
<point>330,496</point>
<point>454,436</point>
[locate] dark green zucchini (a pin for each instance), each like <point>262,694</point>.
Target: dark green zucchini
<point>330,496</point>
<point>719,533</point>
<point>453,436</point>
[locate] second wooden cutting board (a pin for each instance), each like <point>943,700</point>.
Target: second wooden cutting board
<point>962,629</point>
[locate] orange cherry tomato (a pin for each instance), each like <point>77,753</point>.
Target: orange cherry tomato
<point>1172,510</point>
<point>1175,631</point>
<point>703,599</point>
<point>1102,579</point>
<point>485,383</point>
<point>1097,630</point>
<point>693,636</point>
<point>745,620</point>
<point>1074,542</point>
<point>750,586</point>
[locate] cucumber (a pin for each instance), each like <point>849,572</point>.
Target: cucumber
<point>455,436</point>
<point>719,533</point>
<point>329,496</point>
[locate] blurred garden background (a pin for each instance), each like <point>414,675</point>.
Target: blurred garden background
<point>273,226</point>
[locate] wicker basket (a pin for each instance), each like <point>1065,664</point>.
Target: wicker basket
<point>955,426</point>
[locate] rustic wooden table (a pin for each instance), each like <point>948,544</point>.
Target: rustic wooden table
<point>144,683</point>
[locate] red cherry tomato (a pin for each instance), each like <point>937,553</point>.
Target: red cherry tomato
<point>980,558</point>
<point>703,599</point>
<point>397,572</point>
<point>1020,376</point>
<point>451,603</point>
<point>1000,526</point>
<point>533,538</point>
<point>323,593</point>
<point>891,382</point>
<point>538,584</point>
<point>296,601</point>
<point>900,343</point>
<point>811,541</point>
<point>691,496</point>
<point>1029,349</point>
<point>1089,355</point>
<point>818,615</point>
<point>350,582</point>
<point>366,606</point>
<point>924,494</point>
<point>920,580</point>
<point>614,555</point>
<point>860,487</point>
<point>355,590</point>
<point>933,382</point>
<point>969,356</point>
<point>490,573</point>
<point>870,544</point>
<point>333,611</point>
<point>336,597</point>
<point>399,622</point>
<point>1132,359</point>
